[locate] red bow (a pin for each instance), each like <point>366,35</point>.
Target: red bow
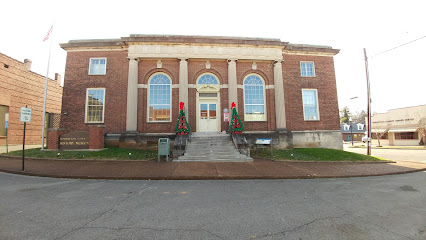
<point>233,105</point>
<point>181,105</point>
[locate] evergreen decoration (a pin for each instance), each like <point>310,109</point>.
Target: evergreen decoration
<point>181,125</point>
<point>236,124</point>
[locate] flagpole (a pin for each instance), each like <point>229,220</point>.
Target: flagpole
<point>45,91</point>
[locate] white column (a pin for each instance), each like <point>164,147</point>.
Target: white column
<point>132,96</point>
<point>232,82</point>
<point>183,81</point>
<point>279,95</point>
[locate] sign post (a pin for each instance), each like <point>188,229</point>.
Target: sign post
<point>25,117</point>
<point>6,125</point>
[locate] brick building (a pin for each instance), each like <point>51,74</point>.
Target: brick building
<point>133,86</point>
<point>19,86</point>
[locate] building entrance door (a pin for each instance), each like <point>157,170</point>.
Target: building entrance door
<point>208,117</point>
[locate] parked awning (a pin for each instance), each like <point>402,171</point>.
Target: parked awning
<point>403,130</point>
<point>378,130</point>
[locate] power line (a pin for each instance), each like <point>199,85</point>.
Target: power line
<point>398,46</point>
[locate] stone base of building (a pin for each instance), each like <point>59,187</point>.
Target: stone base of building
<point>318,139</point>
<point>281,139</point>
<point>137,140</point>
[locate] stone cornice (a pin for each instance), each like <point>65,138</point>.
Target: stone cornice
<point>174,41</point>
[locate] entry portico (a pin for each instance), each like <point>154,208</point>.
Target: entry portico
<point>208,94</point>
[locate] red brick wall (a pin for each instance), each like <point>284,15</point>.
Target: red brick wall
<point>324,82</point>
<point>96,136</point>
<point>266,71</point>
<point>115,82</point>
<point>20,87</point>
<point>146,69</point>
<point>77,80</point>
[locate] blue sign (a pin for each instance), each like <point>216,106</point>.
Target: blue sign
<point>263,141</point>
<point>6,124</point>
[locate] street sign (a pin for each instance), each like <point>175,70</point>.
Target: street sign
<point>226,117</point>
<point>6,124</point>
<point>25,114</point>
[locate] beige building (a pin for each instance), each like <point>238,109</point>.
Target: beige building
<point>400,127</point>
<point>20,87</point>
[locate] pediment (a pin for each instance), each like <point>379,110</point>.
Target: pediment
<point>206,88</point>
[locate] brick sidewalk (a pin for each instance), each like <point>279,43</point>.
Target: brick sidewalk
<point>259,169</point>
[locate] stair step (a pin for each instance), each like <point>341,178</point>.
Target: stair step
<point>211,147</point>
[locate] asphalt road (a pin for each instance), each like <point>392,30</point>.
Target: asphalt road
<point>395,154</point>
<point>386,207</point>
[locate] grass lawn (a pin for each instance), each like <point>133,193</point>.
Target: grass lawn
<point>313,154</point>
<point>113,153</point>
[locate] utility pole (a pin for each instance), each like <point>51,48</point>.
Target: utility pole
<point>368,104</point>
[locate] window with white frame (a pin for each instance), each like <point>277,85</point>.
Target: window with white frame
<point>159,98</point>
<point>346,127</point>
<point>360,126</point>
<point>307,69</point>
<point>208,79</point>
<point>310,104</point>
<point>95,105</point>
<point>97,66</point>
<point>254,98</point>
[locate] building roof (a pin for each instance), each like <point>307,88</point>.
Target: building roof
<point>182,39</point>
<point>354,128</point>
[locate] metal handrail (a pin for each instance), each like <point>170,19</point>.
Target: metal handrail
<point>242,148</point>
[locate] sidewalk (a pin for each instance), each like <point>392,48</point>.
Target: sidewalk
<point>364,145</point>
<point>17,147</point>
<point>258,169</point>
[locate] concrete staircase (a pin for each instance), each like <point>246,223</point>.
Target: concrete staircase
<point>212,147</point>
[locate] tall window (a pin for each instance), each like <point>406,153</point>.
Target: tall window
<point>307,69</point>
<point>310,104</point>
<point>208,79</point>
<point>97,66</point>
<point>159,98</point>
<point>254,99</point>
<point>95,105</point>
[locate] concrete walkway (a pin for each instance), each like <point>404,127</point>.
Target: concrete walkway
<point>258,169</point>
<point>18,147</point>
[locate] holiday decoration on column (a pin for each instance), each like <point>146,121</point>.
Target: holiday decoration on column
<point>182,124</point>
<point>236,124</point>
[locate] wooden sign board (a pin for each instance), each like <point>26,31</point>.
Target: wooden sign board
<point>74,140</point>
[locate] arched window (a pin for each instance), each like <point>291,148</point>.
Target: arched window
<point>208,79</point>
<point>254,98</point>
<point>159,98</point>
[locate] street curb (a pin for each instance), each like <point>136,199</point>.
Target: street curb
<point>155,159</point>
<point>207,177</point>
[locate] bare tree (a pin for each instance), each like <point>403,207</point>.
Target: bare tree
<point>421,128</point>
<point>359,117</point>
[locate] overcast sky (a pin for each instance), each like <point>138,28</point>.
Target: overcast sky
<point>397,77</point>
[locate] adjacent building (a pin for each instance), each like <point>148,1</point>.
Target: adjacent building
<point>20,87</point>
<point>400,126</point>
<point>133,86</point>
<point>353,131</point>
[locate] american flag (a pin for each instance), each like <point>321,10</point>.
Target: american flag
<point>48,34</point>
